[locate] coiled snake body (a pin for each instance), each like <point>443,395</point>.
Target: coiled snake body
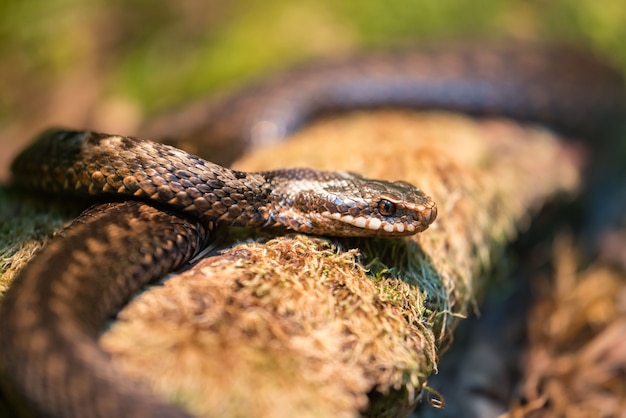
<point>57,306</point>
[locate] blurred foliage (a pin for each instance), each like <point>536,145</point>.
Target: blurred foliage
<point>157,54</point>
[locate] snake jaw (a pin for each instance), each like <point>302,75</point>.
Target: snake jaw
<point>408,220</point>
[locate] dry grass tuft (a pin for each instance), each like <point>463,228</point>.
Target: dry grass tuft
<point>251,320</point>
<point>575,362</point>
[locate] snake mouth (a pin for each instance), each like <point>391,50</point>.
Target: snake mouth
<point>370,225</point>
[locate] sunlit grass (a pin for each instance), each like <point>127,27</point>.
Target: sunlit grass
<point>161,54</point>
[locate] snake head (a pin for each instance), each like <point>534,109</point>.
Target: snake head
<point>347,204</point>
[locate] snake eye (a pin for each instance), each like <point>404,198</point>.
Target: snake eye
<point>386,208</point>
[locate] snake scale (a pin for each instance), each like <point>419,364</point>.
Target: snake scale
<point>164,202</point>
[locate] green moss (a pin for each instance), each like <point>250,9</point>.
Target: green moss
<point>24,225</point>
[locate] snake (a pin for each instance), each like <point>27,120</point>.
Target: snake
<point>157,205</point>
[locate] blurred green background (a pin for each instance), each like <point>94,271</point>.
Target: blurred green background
<point>108,65</point>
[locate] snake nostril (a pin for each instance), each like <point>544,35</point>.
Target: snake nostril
<point>432,214</point>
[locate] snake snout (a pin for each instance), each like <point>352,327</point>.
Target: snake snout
<point>429,214</point>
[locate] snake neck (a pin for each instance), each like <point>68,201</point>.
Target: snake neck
<point>87,163</point>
